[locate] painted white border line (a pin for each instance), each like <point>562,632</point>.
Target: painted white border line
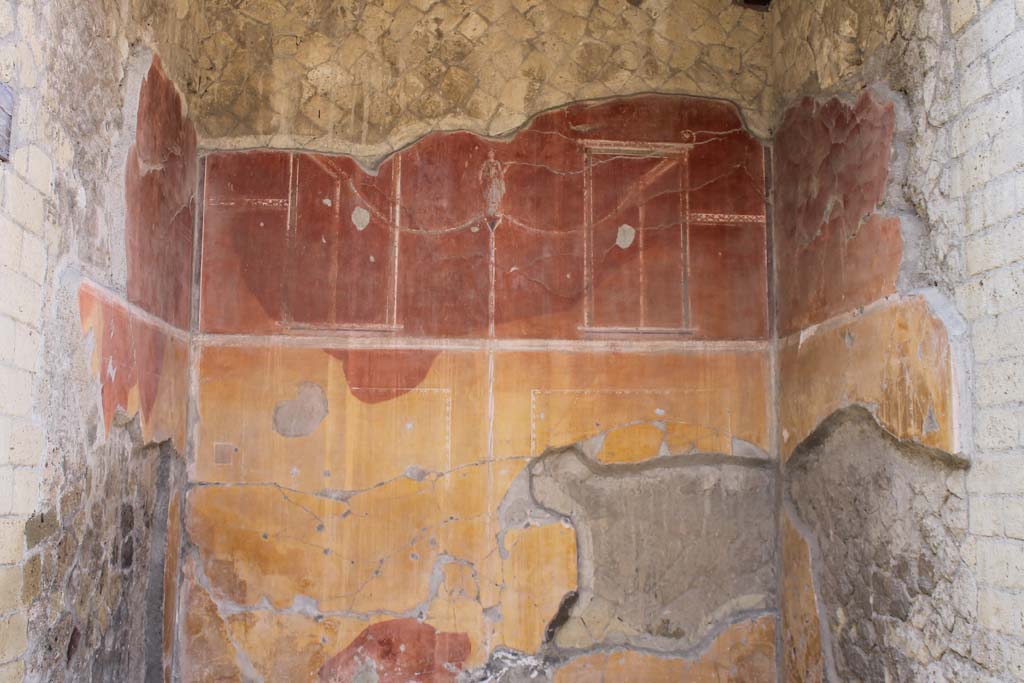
<point>343,341</point>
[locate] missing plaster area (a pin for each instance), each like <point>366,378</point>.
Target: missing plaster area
<point>670,551</point>
<point>301,415</point>
<point>95,568</point>
<point>887,524</point>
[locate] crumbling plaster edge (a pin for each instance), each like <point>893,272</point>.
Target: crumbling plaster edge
<point>912,448</point>
<point>370,157</point>
<point>802,453</point>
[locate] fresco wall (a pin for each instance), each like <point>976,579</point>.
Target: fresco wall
<point>467,414</point>
<point>384,355</point>
<point>865,388</point>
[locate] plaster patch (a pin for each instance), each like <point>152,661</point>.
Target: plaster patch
<point>301,415</point>
<point>681,503</point>
<point>360,218</point>
<point>627,233</point>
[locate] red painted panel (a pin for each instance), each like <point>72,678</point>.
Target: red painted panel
<point>441,199</point>
<point>663,275</point>
<point>543,182</point>
<point>245,226</point>
<point>645,118</point>
<point>444,283</point>
<point>160,179</point>
<point>835,252</point>
<point>638,203</point>
<point>616,269</point>
<point>538,283</point>
<point>442,187</point>
<point>728,281</point>
<point>539,280</point>
<point>399,651</point>
<point>339,269</point>
<point>727,175</point>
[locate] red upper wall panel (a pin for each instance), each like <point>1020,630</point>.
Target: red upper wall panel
<point>160,181</point>
<point>643,215</point>
<point>835,253</point>
<point>245,241</point>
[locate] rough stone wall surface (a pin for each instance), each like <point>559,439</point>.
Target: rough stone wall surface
<point>40,185</point>
<point>369,77</point>
<point>959,64</point>
<point>888,523</point>
<point>97,564</point>
<point>27,183</point>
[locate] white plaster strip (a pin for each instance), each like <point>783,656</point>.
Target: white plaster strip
<point>343,340</point>
<point>118,299</point>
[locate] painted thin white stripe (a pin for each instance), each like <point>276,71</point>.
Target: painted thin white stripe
<point>352,341</point>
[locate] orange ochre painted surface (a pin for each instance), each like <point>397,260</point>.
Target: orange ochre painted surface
<point>142,367</point>
<point>893,358</point>
<point>345,503</point>
<point>389,507</point>
<point>802,657</point>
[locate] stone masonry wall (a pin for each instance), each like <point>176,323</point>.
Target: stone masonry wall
<point>959,64</point>
<point>26,233</point>
<point>887,521</point>
<point>370,77</point>
<point>97,565</point>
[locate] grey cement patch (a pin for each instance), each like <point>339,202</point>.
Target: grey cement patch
<point>889,521</point>
<point>518,510</point>
<point>301,415</point>
<point>669,549</point>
